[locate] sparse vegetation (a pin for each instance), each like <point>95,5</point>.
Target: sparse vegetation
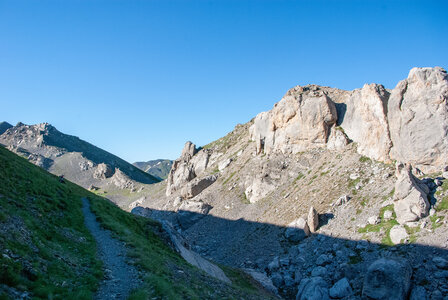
<point>364,159</point>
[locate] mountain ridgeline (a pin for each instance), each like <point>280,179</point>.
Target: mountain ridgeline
<point>158,168</point>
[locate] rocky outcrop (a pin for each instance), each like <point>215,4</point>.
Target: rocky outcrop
<point>418,119</point>
<point>411,196</point>
<point>102,171</point>
<point>190,164</point>
<point>313,219</point>
<point>387,279</point>
<point>121,180</point>
<point>337,140</point>
<point>365,121</point>
<point>300,121</point>
<point>196,186</point>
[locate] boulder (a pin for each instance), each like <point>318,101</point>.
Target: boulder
<point>398,234</point>
<point>196,186</point>
<point>440,262</point>
<point>341,289</point>
<point>313,219</point>
<point>300,121</point>
<point>411,196</point>
<point>365,121</point>
<point>258,188</point>
<point>418,293</point>
<point>373,220</point>
<point>121,180</point>
<point>314,288</point>
<point>319,271</point>
<point>387,279</point>
<point>297,230</point>
<point>418,119</point>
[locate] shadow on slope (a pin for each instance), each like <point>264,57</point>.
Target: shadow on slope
<point>263,247</point>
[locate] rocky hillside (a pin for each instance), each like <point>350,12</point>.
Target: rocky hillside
<point>47,252</point>
<point>158,168</point>
<point>332,193</point>
<point>79,161</point>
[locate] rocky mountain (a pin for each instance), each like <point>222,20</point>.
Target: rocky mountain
<point>158,168</point>
<point>331,194</point>
<point>79,161</point>
<point>50,248</point>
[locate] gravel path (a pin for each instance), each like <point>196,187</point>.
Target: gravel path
<point>119,276</point>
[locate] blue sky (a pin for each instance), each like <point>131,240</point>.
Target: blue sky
<point>139,78</point>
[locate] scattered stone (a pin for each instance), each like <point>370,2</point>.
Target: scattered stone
<point>314,288</point>
<point>440,262</point>
<point>341,289</point>
<point>323,259</point>
<point>388,215</point>
<point>319,271</point>
<point>373,220</point>
<point>398,234</point>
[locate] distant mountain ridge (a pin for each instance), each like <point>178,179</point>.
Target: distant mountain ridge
<point>78,160</point>
<point>158,168</point>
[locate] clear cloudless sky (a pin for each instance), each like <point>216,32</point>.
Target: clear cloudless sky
<point>140,78</point>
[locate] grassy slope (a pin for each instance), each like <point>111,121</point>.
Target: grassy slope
<point>47,250</point>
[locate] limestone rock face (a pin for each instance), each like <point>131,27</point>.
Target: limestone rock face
<point>365,121</point>
<point>300,121</point>
<point>387,279</point>
<point>411,196</point>
<point>186,167</point>
<point>196,186</point>
<point>418,119</point>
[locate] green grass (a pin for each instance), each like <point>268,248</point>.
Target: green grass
<point>54,255</point>
<point>443,201</point>
<point>434,219</point>
<point>364,159</point>
<point>385,225</point>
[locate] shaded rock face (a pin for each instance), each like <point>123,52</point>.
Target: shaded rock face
<point>365,121</point>
<point>411,196</point>
<point>300,121</point>
<point>387,279</point>
<point>418,119</point>
<point>190,164</point>
<point>189,212</point>
<point>297,230</point>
